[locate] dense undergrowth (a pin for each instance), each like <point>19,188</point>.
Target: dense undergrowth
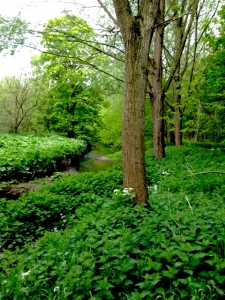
<point>83,241</point>
<point>26,157</point>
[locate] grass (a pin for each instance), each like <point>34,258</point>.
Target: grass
<point>77,239</point>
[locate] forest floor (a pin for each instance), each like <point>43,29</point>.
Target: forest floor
<point>13,190</point>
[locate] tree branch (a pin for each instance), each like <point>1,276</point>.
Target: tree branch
<point>84,62</point>
<point>88,43</point>
<point>108,12</point>
<point>124,16</point>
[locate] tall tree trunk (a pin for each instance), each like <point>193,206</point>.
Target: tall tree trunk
<point>178,127</point>
<point>133,127</point>
<point>137,32</point>
<point>177,81</point>
<point>157,92</point>
<point>177,110</point>
<point>170,134</point>
<point>184,18</point>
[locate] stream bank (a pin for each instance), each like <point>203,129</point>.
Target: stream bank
<point>94,161</point>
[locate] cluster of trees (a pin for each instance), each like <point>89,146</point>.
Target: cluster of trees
<point>166,55</point>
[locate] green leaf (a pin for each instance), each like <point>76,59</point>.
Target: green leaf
<point>196,259</point>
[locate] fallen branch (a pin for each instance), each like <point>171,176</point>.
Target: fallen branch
<point>207,172</point>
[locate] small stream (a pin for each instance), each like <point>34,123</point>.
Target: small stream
<point>96,160</point>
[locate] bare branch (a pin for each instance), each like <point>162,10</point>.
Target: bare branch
<point>108,12</point>
<point>207,172</point>
<point>89,44</point>
<point>84,62</point>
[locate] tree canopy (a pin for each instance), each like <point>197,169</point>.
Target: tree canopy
<point>72,100</point>
<point>12,33</point>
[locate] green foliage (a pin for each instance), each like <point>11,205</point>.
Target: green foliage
<point>72,109</point>
<point>12,33</point>
<point>18,101</point>
<point>208,89</point>
<point>26,157</point>
<point>108,248</point>
<point>111,133</point>
<point>53,206</point>
<point>72,99</point>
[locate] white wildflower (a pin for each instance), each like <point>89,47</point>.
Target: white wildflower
<point>153,188</point>
<point>165,173</point>
<point>116,191</point>
<point>128,191</point>
<point>56,289</point>
<point>125,191</point>
<point>23,275</point>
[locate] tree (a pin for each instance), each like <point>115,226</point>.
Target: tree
<point>18,99</point>
<point>186,33</point>
<point>156,90</point>
<point>72,107</point>
<point>136,22</point>
<point>72,101</point>
<point>211,87</point>
<point>12,33</point>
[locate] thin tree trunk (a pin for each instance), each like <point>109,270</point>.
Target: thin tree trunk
<point>177,110</point>
<point>198,122</point>
<point>157,92</point>
<point>170,134</point>
<point>177,82</point>
<point>178,126</point>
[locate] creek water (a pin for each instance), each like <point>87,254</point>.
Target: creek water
<point>96,160</point>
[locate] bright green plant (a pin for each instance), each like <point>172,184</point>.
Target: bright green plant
<point>111,132</point>
<point>112,249</point>
<point>27,157</point>
<point>53,206</point>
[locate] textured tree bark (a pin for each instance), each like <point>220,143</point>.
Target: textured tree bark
<point>177,110</point>
<point>183,26</point>
<point>137,31</point>
<point>177,82</point>
<point>170,134</point>
<point>157,91</point>
<point>133,129</point>
<point>198,122</point>
<point>178,127</point>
